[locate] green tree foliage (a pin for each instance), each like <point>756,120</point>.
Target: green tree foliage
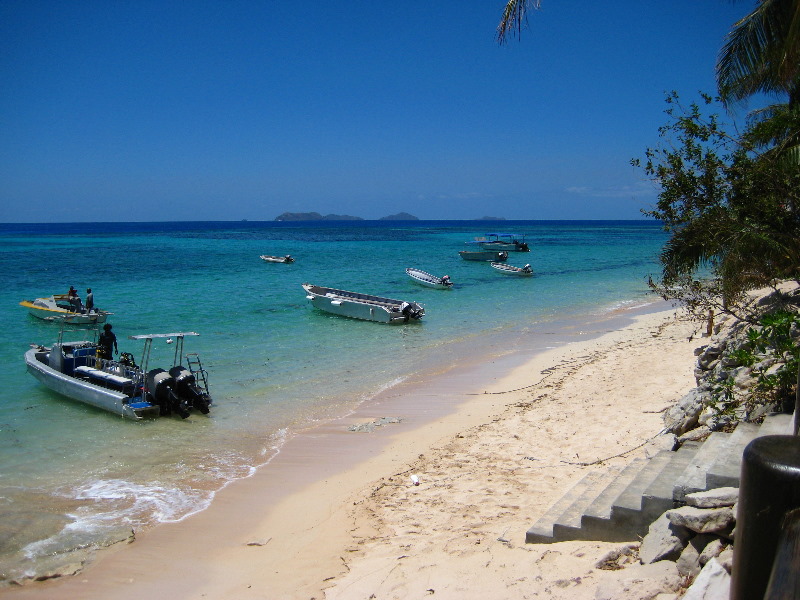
<point>730,203</point>
<point>762,53</point>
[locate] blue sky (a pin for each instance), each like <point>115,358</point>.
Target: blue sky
<point>162,111</point>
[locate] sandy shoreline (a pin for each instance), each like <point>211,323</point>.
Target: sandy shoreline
<point>343,520</point>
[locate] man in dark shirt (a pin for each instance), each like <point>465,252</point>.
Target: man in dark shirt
<point>106,342</point>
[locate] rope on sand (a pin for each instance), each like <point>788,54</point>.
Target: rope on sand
<point>602,460</point>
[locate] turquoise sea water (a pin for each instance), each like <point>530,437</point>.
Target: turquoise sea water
<point>73,477</point>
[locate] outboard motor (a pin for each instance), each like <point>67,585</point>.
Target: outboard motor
<point>186,387</point>
<point>412,310</point>
<point>160,385</point>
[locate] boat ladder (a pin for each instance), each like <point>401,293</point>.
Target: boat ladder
<point>196,368</point>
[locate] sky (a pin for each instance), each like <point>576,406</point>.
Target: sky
<point>231,110</point>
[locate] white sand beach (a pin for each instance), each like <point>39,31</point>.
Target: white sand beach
<point>337,514</point>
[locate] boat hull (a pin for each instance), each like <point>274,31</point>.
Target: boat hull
<point>428,280</point>
<point>358,306</point>
<point>54,313</point>
<point>277,259</point>
<point>509,270</point>
<point>86,392</point>
<point>485,256</point>
<point>503,247</point>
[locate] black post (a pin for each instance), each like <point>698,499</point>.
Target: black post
<point>784,583</point>
<point>769,488</point>
<point>796,428</point>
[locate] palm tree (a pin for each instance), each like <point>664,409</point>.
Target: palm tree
<point>515,16</point>
<point>762,53</point>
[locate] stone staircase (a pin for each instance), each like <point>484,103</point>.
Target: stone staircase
<point>619,505</point>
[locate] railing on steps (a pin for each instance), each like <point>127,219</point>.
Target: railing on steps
<point>766,551</point>
<point>784,581</point>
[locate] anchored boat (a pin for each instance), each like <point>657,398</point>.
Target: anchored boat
<point>509,242</point>
<point>504,268</point>
<point>59,307</point>
<point>426,279</point>
<point>74,369</point>
<point>362,306</point>
<point>484,255</point>
<point>277,259</point>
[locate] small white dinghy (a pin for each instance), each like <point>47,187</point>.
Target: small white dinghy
<point>426,279</point>
<point>525,271</point>
<point>277,259</point>
<point>362,306</point>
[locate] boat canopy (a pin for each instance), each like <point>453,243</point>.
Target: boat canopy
<point>150,336</point>
<point>504,235</point>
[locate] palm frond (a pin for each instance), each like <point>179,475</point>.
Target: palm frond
<point>515,17</point>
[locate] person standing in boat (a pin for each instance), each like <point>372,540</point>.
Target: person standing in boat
<point>106,342</point>
<point>89,300</point>
<point>74,299</point>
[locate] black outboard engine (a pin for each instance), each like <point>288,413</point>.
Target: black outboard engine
<point>186,387</point>
<point>160,385</point>
<point>412,310</point>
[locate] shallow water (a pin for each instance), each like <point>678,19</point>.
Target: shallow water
<point>73,477</point>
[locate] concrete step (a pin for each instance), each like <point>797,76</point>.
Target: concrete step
<point>777,424</point>
<point>725,470</point>
<point>542,531</point>
<point>624,507</point>
<point>626,512</point>
<point>657,498</point>
<point>568,525</point>
<point>693,478</point>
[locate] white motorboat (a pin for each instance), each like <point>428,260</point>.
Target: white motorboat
<point>509,242</point>
<point>277,259</point>
<point>362,306</point>
<point>504,268</point>
<point>58,307</point>
<point>73,369</point>
<point>484,255</point>
<point>426,279</point>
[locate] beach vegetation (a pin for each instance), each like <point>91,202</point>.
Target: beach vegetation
<point>770,348</point>
<point>761,54</point>
<point>731,203</point>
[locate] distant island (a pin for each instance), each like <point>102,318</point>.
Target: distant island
<point>315,216</point>
<point>403,216</point>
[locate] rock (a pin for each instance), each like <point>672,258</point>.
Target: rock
<point>701,520</point>
<point>688,562</point>
<point>664,541</point>
<point>712,550</point>
<point>698,434</point>
<point>665,441</point>
<point>725,558</point>
<point>641,581</point>
<point>713,583</point>
<point>716,498</point>
<point>617,558</point>
<point>683,416</point>
<point>743,378</point>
